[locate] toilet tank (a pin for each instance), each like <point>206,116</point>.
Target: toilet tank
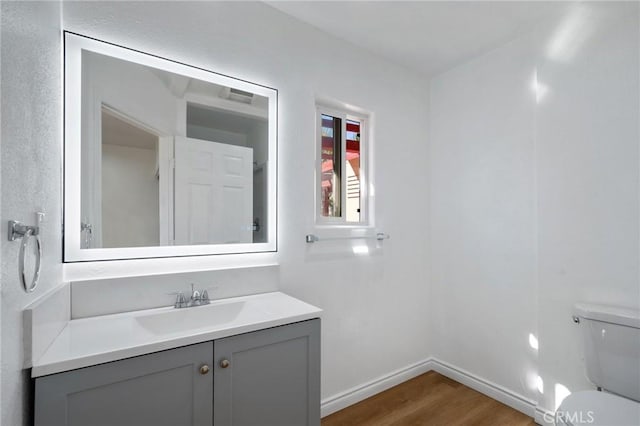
<point>611,338</point>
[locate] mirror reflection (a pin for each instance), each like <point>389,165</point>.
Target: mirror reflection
<point>168,159</point>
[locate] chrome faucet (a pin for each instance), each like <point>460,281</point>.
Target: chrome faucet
<point>198,298</point>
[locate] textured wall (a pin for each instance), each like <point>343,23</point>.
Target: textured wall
<point>31,172</point>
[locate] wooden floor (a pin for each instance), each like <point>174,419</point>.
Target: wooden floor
<point>430,399</point>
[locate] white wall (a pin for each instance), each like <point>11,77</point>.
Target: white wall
<point>535,204</point>
<point>587,162</point>
<point>130,197</point>
<point>31,173</point>
<point>482,216</point>
<point>370,301</point>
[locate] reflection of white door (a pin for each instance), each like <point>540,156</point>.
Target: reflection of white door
<point>213,192</point>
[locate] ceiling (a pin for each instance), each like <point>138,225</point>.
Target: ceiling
<point>220,119</point>
<point>426,36</point>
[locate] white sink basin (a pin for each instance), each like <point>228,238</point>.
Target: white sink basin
<point>90,341</point>
<point>184,319</point>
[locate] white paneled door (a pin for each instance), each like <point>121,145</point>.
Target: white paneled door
<point>213,192</point>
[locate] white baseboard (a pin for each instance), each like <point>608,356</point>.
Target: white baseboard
<point>544,417</point>
<point>512,399</point>
<point>356,394</point>
<point>492,390</point>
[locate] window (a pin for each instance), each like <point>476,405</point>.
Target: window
<point>341,190</point>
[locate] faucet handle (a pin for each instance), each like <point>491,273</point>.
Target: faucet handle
<point>204,297</point>
<point>181,301</point>
<point>194,300</point>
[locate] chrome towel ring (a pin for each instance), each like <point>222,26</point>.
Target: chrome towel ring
<point>18,230</point>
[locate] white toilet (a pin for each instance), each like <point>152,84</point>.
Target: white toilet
<point>611,338</point>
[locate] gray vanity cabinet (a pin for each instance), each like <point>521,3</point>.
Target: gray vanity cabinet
<point>169,388</point>
<point>269,377</point>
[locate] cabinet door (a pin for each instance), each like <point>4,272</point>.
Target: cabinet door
<point>272,377</point>
<point>160,389</point>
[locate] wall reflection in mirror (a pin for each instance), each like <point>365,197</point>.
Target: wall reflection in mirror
<point>169,159</point>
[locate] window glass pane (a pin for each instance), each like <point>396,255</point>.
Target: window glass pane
<point>330,166</point>
<point>352,171</point>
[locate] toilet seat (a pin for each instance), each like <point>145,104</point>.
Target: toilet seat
<point>598,409</point>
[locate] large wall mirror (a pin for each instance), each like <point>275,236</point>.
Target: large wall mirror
<point>164,159</point>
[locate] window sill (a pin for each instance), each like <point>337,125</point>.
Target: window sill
<point>344,232</point>
<point>328,225</point>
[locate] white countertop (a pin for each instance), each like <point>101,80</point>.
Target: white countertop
<point>90,341</point>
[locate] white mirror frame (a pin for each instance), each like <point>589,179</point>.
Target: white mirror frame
<point>74,44</point>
